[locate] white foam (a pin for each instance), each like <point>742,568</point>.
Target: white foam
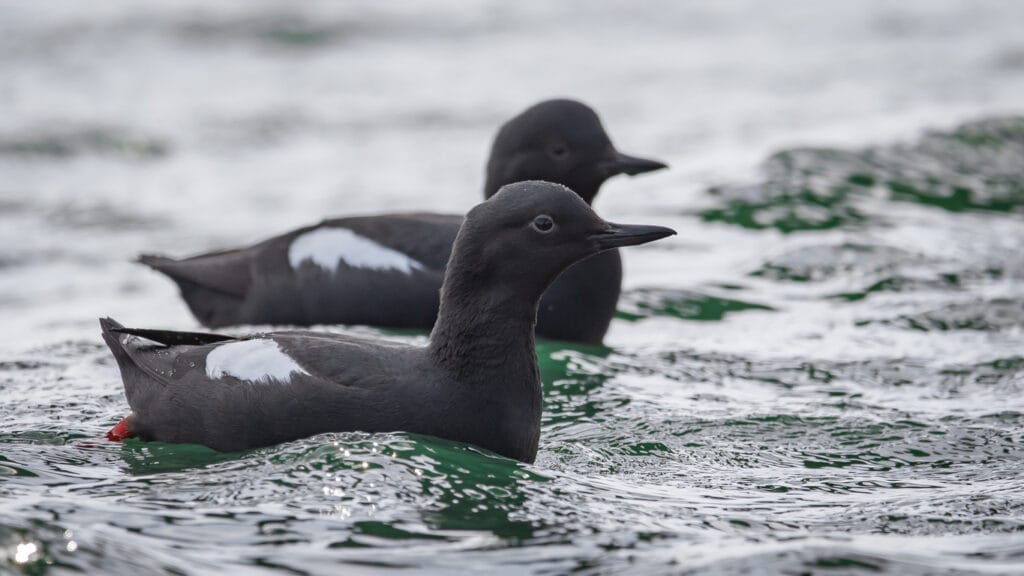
<point>259,360</point>
<point>327,246</point>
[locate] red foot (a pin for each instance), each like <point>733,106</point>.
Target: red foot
<point>120,432</point>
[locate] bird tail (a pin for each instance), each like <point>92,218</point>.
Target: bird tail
<point>213,301</point>
<point>155,261</point>
<point>110,330</point>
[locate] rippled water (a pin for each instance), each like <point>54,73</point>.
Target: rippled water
<point>822,373</point>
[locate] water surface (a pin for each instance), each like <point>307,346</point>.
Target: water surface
<point>822,373</point>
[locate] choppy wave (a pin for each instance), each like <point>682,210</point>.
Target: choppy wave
<point>976,166</point>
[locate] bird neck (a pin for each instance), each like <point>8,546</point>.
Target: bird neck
<point>479,333</point>
<point>483,339</point>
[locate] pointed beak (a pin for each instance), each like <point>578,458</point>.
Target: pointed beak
<point>632,165</point>
<point>617,235</point>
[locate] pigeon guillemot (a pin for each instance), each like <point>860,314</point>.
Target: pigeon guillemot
<point>476,381</point>
<point>386,270</point>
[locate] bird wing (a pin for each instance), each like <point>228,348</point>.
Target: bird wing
<point>232,394</point>
<point>378,270</point>
<point>174,338</point>
<point>424,237</point>
<point>168,356</point>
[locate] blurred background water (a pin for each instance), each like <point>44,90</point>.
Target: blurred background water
<point>822,373</point>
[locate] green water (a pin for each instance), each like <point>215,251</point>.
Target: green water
<point>973,167</point>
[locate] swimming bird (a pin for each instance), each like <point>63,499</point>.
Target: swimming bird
<point>476,381</point>
<point>386,270</point>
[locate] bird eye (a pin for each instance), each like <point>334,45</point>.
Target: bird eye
<point>543,223</point>
<point>559,151</point>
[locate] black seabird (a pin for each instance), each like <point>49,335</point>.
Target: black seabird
<point>476,381</point>
<point>386,270</point>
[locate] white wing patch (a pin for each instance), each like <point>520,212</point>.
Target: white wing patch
<point>327,246</point>
<point>260,361</point>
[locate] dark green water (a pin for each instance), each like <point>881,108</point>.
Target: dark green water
<point>852,403</point>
